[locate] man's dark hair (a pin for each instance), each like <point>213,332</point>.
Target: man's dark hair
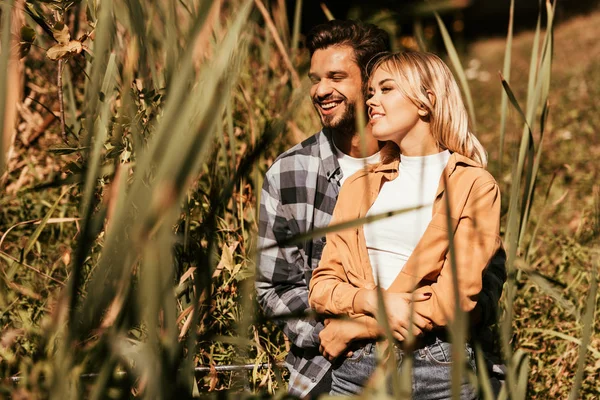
<point>367,40</point>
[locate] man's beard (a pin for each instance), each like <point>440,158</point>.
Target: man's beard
<point>346,123</point>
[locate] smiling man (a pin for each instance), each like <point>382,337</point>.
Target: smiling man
<point>301,188</point>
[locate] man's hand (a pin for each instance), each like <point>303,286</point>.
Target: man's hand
<point>336,336</point>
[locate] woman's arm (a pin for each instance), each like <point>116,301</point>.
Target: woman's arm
<point>475,240</point>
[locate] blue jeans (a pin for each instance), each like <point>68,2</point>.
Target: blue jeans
<point>432,366</point>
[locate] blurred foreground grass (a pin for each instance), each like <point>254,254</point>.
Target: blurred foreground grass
<point>202,221</point>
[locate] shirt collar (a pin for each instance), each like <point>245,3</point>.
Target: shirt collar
<point>333,172</point>
<point>455,159</point>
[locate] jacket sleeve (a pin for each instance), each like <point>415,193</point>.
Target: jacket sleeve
<point>475,241</point>
<point>330,289</point>
<point>280,280</point>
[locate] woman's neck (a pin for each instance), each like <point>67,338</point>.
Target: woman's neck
<point>419,143</point>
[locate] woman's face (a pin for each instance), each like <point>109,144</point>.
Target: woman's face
<point>392,116</point>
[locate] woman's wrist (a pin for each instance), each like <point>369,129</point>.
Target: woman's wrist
<point>365,302</point>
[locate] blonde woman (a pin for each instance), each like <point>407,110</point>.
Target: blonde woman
<point>435,166</point>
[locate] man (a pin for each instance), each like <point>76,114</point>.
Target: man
<point>300,191</point>
<point>301,188</point>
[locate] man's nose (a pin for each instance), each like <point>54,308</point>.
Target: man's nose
<point>324,89</point>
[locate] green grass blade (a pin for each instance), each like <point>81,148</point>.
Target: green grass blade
<point>7,11</point>
<point>533,63</point>
<point>319,232</point>
<point>506,73</point>
<point>458,325</point>
<point>94,163</point>
<point>482,374</point>
<point>588,327</point>
<point>549,332</point>
<point>550,290</point>
<point>529,251</point>
<point>327,12</point>
<point>36,234</point>
<point>419,34</point>
<point>70,95</point>
<point>517,107</point>
<point>523,367</point>
<point>460,72</point>
<point>530,186</point>
<point>102,43</point>
<point>296,27</point>
<point>511,237</point>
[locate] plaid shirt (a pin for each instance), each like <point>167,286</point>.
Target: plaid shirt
<point>299,193</point>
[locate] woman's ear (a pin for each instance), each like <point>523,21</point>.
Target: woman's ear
<point>423,112</point>
<point>431,98</point>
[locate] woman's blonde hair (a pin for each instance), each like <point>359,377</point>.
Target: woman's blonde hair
<point>419,75</point>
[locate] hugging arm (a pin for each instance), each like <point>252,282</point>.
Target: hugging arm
<point>476,242</point>
<point>332,293</point>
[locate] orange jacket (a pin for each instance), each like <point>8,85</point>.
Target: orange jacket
<point>473,198</point>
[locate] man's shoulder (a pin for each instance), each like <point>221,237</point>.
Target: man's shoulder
<point>308,147</point>
<point>305,151</point>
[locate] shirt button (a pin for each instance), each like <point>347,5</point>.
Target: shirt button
<point>313,379</point>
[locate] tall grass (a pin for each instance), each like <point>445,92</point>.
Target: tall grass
<point>176,111</point>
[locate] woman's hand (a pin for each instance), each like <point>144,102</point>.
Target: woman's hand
<point>397,310</point>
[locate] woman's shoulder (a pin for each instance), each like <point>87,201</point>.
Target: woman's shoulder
<point>466,170</point>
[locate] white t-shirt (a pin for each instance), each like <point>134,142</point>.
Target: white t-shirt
<point>391,241</point>
<point>351,165</point>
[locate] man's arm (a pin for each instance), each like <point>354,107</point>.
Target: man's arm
<point>486,312</point>
<point>280,282</point>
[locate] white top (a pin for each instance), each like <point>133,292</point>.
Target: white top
<point>391,241</point>
<point>351,165</point>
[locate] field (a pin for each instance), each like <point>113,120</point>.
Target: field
<point>128,230</point>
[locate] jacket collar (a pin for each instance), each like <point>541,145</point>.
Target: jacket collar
<point>389,169</point>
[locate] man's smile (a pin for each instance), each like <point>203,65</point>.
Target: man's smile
<point>328,106</point>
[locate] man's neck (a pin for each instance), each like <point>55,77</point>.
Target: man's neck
<point>354,144</point>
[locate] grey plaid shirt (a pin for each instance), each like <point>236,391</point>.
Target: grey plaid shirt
<point>299,193</point>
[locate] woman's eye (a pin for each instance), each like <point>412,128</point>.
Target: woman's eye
<point>385,89</point>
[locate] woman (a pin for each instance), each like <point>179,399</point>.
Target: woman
<point>434,167</point>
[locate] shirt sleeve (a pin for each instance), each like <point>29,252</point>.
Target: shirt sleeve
<point>280,277</point>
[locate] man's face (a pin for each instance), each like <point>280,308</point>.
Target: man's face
<point>336,86</point>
